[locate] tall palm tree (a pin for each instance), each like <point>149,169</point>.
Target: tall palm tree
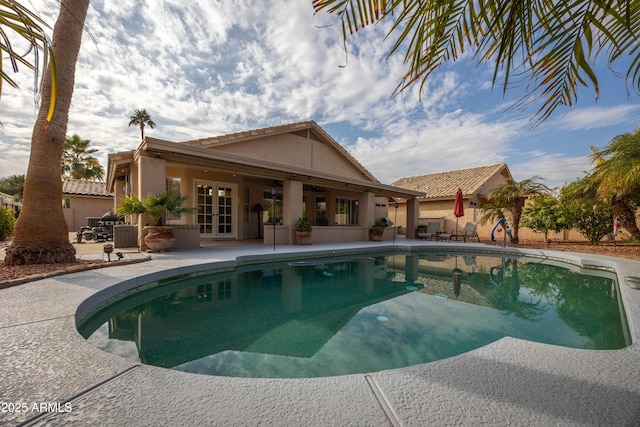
<point>616,175</point>
<point>551,45</point>
<point>78,162</point>
<point>41,234</point>
<point>511,196</point>
<point>141,118</point>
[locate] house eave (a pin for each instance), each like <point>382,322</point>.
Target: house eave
<point>225,161</point>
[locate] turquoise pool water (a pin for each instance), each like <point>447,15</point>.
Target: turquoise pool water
<point>337,316</point>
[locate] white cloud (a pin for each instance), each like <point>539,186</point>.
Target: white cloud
<point>599,116</point>
<point>204,68</point>
<point>555,169</point>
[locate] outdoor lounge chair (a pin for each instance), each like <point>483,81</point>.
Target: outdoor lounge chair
<point>429,233</point>
<point>468,231</point>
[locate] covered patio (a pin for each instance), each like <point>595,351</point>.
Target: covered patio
<point>257,184</point>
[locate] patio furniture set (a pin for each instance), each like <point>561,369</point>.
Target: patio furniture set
<point>432,232</point>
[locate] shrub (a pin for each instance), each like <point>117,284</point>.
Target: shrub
<point>7,222</point>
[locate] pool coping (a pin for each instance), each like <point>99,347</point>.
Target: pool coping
<point>44,360</point>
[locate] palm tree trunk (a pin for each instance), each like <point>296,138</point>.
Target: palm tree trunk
<point>626,217</point>
<point>517,214</point>
<point>41,234</point>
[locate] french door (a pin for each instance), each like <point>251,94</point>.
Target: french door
<point>216,203</point>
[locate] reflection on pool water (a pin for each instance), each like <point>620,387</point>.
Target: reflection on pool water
<point>342,316</point>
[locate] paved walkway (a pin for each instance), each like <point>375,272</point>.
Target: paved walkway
<point>51,376</point>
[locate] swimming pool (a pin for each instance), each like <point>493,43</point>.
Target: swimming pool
<point>357,313</point>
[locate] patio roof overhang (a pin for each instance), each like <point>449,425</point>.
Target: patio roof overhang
<point>241,165</point>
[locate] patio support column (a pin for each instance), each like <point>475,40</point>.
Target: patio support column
<point>291,207</point>
<point>152,176</point>
<point>151,179</point>
<point>366,212</point>
<point>413,215</point>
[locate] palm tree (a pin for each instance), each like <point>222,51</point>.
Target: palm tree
<point>17,20</point>
<point>141,118</point>
<point>41,234</point>
<point>550,45</point>
<point>78,162</point>
<point>616,176</point>
<point>510,197</point>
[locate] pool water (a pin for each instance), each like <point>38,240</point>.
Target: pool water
<point>329,317</point>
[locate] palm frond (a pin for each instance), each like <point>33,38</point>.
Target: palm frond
<point>18,21</point>
<point>548,45</point>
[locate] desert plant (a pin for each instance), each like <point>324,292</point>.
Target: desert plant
<point>380,224</point>
<point>303,224</point>
<point>156,206</point>
<point>7,222</point>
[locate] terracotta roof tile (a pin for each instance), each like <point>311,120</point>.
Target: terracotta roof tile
<point>445,184</point>
<point>85,188</point>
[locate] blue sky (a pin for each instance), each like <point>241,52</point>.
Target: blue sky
<point>204,68</point>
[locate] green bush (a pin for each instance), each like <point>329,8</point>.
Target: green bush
<point>7,222</point>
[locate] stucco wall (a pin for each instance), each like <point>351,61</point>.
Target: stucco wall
<point>294,150</point>
<point>82,207</point>
<point>442,211</point>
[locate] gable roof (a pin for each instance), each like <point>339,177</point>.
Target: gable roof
<point>210,152</point>
<point>309,129</point>
<point>443,185</point>
<point>85,188</point>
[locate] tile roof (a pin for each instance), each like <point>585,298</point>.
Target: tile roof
<point>444,185</point>
<point>7,199</point>
<point>315,132</point>
<point>85,188</point>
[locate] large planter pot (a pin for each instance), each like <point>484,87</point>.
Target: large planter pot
<point>159,238</point>
<point>376,234</point>
<point>303,236</point>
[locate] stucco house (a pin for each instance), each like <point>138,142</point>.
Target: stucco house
<point>257,184</point>
<point>86,199</point>
<point>7,202</point>
<point>440,190</point>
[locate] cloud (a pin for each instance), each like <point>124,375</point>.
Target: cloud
<point>204,68</point>
<point>555,169</point>
<point>599,116</point>
<point>451,141</point>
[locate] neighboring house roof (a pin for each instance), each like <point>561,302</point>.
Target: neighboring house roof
<point>7,199</point>
<point>474,182</point>
<point>85,188</point>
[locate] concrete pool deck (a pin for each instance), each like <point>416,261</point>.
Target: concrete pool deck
<point>51,376</point>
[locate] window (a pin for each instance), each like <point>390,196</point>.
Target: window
<point>346,212</point>
<point>174,184</point>
<point>204,292</point>
<point>224,290</point>
<point>271,214</point>
<point>321,210</point>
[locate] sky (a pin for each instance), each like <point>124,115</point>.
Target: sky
<point>205,68</point>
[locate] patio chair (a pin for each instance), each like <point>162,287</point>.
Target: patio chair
<point>429,233</point>
<point>468,231</point>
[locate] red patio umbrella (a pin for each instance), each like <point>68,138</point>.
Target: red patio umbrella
<point>458,208</point>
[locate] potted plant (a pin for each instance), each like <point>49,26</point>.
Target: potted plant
<point>156,206</point>
<point>377,230</point>
<point>303,231</point>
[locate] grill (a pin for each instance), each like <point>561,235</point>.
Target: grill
<point>104,231</point>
